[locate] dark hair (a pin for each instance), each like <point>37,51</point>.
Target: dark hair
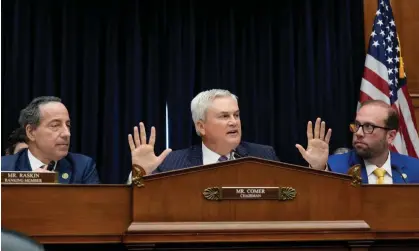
<point>16,137</point>
<point>392,120</point>
<point>31,114</point>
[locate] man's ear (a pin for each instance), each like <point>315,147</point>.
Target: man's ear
<point>391,135</point>
<point>30,132</point>
<point>200,127</point>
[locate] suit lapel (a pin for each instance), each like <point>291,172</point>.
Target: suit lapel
<point>65,171</point>
<point>241,150</point>
<point>195,156</point>
<point>398,170</point>
<point>397,178</point>
<point>22,163</point>
<point>364,174</point>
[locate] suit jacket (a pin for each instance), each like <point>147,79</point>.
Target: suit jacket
<point>401,164</point>
<point>80,168</point>
<point>193,156</point>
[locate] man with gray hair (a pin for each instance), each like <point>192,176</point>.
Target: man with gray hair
<point>216,116</point>
<point>47,126</point>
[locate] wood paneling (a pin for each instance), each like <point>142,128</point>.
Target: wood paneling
<point>176,192</point>
<point>168,218</point>
<point>71,213</point>
<point>327,213</point>
<point>407,23</point>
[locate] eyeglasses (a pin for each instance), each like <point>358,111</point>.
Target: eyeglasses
<point>366,128</point>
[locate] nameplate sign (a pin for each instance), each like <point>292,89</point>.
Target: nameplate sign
<point>249,193</point>
<point>28,177</point>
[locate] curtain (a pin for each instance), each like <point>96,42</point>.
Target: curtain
<point>116,63</point>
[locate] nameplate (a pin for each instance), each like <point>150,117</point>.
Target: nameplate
<point>249,193</point>
<point>28,177</point>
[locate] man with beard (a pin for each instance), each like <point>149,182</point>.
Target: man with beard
<point>47,125</point>
<point>216,116</point>
<point>374,130</point>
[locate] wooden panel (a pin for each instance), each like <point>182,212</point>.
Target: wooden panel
<point>70,213</point>
<point>180,194</point>
<point>183,214</point>
<point>401,214</point>
<point>327,214</point>
<point>407,23</point>
<point>241,231</point>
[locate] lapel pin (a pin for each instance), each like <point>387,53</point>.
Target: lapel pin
<point>404,175</point>
<point>64,176</point>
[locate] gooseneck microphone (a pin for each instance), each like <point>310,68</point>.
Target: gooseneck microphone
<point>399,171</point>
<point>234,154</point>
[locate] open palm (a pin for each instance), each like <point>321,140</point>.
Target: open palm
<point>142,154</point>
<point>317,152</point>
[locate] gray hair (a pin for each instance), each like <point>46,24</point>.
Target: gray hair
<point>31,114</point>
<point>203,100</point>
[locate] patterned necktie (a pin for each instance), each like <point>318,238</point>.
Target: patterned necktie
<point>51,166</point>
<point>380,172</point>
<point>222,158</point>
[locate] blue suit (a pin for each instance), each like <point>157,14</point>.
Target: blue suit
<point>192,156</point>
<point>80,168</point>
<point>401,164</point>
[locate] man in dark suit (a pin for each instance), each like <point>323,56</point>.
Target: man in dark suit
<point>216,116</point>
<point>47,125</point>
<point>374,130</point>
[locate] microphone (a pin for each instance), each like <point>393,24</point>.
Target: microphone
<point>397,169</point>
<point>235,154</point>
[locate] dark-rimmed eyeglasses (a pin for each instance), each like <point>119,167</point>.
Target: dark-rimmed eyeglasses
<point>367,128</point>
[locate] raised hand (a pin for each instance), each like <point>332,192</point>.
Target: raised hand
<point>142,154</point>
<point>317,152</point>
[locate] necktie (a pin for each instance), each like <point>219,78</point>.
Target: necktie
<point>51,166</point>
<point>222,158</point>
<point>380,172</point>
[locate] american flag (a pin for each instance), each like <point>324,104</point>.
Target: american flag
<point>384,78</point>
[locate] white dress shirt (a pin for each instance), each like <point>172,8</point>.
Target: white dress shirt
<point>210,157</point>
<point>372,178</point>
<point>36,163</point>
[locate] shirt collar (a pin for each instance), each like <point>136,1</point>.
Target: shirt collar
<point>209,156</point>
<point>371,167</point>
<point>36,163</point>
